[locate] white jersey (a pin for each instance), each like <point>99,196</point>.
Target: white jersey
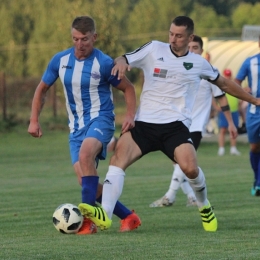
<point>170,83</point>
<point>202,106</point>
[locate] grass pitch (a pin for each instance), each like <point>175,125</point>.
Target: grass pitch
<point>36,176</point>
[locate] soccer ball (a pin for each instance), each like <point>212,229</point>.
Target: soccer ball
<point>67,219</point>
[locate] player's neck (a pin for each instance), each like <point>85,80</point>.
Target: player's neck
<point>82,55</point>
<point>179,53</point>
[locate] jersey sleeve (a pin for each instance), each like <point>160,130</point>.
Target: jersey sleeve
<point>209,72</point>
<point>136,57</point>
<point>108,64</point>
<point>52,72</point>
<point>243,71</point>
<point>216,91</point>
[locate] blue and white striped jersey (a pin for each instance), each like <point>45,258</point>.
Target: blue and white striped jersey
<point>86,83</point>
<point>251,69</point>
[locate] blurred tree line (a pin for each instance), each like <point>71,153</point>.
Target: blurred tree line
<point>32,31</point>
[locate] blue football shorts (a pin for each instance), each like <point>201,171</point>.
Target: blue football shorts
<point>222,121</point>
<point>253,127</point>
<point>101,128</point>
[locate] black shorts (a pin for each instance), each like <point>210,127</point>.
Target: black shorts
<point>160,137</point>
<point>196,138</point>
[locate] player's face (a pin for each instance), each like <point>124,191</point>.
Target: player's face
<point>179,39</point>
<point>195,47</point>
<point>83,43</point>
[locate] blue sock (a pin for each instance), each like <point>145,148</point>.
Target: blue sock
<point>255,163</point>
<point>120,210</point>
<point>89,189</point>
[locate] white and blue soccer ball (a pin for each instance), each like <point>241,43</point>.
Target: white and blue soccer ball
<point>67,218</point>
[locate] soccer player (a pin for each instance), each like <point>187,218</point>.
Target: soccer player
<point>251,69</point>
<point>85,73</point>
<point>172,77</point>
<point>233,103</point>
<point>200,115</point>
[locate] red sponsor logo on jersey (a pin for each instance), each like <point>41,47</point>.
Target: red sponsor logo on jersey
<point>160,73</point>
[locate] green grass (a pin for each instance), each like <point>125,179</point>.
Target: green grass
<point>36,176</point>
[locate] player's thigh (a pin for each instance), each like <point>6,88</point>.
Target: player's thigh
<point>90,147</point>
<point>126,152</point>
<point>253,132</point>
<point>185,155</point>
<point>97,136</point>
<point>253,128</point>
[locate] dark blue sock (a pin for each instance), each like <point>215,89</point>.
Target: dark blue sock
<point>120,210</point>
<point>89,189</point>
<point>257,180</point>
<point>255,163</point>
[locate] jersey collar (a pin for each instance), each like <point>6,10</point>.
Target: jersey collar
<point>176,54</point>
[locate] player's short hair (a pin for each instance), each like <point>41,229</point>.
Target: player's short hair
<point>184,21</point>
<point>84,24</point>
<point>198,39</point>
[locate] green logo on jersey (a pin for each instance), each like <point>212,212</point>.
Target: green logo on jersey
<point>187,65</point>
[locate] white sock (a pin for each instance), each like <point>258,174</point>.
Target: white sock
<point>112,189</point>
<point>200,189</point>
<point>177,178</point>
<point>186,188</point>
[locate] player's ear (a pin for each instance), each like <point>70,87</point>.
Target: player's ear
<point>95,37</point>
<point>191,37</point>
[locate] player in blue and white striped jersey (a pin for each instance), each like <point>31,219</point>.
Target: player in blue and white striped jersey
<point>85,73</point>
<point>250,69</point>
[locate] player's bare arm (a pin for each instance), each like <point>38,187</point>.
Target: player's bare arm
<point>120,67</point>
<point>130,98</point>
<point>34,128</point>
<point>235,90</point>
<point>246,89</point>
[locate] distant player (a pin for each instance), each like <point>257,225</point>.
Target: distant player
<point>250,69</point>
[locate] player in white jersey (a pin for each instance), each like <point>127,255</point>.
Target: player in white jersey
<point>85,73</point>
<point>171,81</point>
<point>200,115</point>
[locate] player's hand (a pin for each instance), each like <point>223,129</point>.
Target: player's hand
<point>120,68</point>
<point>34,129</point>
<point>128,124</point>
<point>232,131</point>
<point>257,102</point>
<point>247,89</point>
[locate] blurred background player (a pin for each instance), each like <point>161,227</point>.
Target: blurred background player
<point>223,124</point>
<point>200,116</point>
<point>250,69</point>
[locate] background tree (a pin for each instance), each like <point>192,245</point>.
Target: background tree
<point>246,13</point>
<point>16,28</point>
<point>212,24</point>
<point>32,31</point>
<point>150,19</point>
